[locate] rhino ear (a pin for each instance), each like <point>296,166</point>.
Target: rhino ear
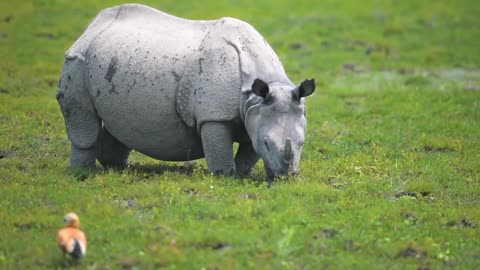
<point>305,89</point>
<point>260,88</point>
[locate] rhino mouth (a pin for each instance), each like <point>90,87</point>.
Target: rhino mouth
<point>287,170</point>
<point>280,161</point>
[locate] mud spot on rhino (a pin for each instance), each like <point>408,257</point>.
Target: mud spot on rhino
<point>176,75</point>
<point>112,89</point>
<point>112,69</point>
<point>200,65</point>
<point>133,84</point>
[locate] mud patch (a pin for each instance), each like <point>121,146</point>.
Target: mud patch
<point>411,252</point>
<point>24,226</point>
<point>8,153</point>
<point>438,149</point>
<point>8,18</point>
<point>221,245</point>
<point>128,263</point>
<point>406,194</point>
<point>463,223</point>
<point>413,194</point>
<point>214,246</point>
<point>410,218</point>
<point>326,233</point>
<point>112,69</point>
<point>190,191</point>
<point>298,46</point>
<point>127,203</point>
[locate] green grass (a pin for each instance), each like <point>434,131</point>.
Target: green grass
<point>390,171</point>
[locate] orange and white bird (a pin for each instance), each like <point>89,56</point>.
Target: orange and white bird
<point>71,239</point>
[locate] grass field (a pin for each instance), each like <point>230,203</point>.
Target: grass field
<point>390,173</point>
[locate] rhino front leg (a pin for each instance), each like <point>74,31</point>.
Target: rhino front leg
<point>246,158</point>
<point>218,147</point>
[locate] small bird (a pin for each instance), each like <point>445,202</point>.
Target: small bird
<point>71,239</point>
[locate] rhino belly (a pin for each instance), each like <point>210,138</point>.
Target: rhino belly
<point>139,109</point>
<point>148,123</point>
<point>133,70</point>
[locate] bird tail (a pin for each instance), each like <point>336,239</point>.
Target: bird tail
<point>78,251</point>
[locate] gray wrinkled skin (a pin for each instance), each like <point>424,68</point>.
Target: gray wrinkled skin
<point>178,90</point>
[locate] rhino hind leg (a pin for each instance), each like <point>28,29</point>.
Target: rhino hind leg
<point>81,120</point>
<point>111,153</point>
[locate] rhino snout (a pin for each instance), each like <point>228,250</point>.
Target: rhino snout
<point>279,160</point>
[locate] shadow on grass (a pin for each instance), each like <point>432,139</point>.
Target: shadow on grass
<point>188,168</point>
<point>66,262</point>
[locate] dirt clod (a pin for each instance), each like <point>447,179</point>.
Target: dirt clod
<point>326,233</point>
<point>8,18</point>
<point>190,191</point>
<point>297,46</point>
<point>410,194</point>
<point>128,263</point>
<point>411,252</point>
<point>23,226</point>
<point>409,215</point>
<point>221,245</point>
<point>464,223</point>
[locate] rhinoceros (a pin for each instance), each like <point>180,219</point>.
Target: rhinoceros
<point>178,90</point>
